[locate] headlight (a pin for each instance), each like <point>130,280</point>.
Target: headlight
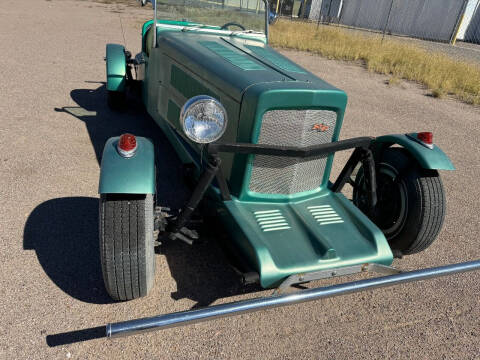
<point>203,119</point>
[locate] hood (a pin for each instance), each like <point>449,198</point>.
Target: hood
<point>232,65</point>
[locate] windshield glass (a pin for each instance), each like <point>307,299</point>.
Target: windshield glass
<point>249,14</point>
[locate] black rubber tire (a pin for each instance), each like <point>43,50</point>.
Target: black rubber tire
<point>421,196</point>
<point>127,245</point>
<point>116,100</point>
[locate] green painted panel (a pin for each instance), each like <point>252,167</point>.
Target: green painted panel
<point>209,67</point>
<point>116,67</point>
<point>434,159</point>
<point>173,112</point>
<point>183,62</point>
<point>304,241</point>
<point>276,59</point>
<point>135,175</point>
<point>260,98</point>
<point>236,58</point>
<point>187,85</point>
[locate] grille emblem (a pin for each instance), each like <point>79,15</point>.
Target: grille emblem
<point>320,127</point>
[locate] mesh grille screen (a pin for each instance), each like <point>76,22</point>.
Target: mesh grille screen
<point>286,175</point>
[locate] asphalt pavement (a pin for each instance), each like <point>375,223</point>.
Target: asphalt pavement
<point>53,124</point>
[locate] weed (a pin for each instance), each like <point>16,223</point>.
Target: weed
<point>398,59</point>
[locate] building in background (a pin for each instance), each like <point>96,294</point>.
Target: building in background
<point>438,20</point>
<point>470,27</point>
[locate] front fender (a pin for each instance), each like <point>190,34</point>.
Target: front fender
<point>116,67</point>
<point>434,159</point>
<point>135,175</point>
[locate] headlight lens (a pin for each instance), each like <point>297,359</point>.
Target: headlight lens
<point>203,119</point>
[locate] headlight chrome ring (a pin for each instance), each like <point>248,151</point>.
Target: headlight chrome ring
<point>203,119</point>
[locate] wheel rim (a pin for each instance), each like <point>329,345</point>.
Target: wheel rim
<point>392,205</point>
<point>391,210</point>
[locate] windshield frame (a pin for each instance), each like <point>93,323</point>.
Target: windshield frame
<point>154,3</point>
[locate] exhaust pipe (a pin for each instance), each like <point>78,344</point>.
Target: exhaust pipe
<point>182,318</point>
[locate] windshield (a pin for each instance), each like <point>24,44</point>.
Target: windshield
<point>246,15</point>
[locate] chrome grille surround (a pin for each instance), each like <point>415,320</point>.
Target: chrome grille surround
<point>287,175</point>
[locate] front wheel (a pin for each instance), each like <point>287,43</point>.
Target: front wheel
<point>411,202</point>
<point>127,244</point>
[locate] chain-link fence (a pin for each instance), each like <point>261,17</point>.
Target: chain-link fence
<point>437,20</point>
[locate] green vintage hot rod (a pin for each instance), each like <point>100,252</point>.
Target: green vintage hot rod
<point>259,134</point>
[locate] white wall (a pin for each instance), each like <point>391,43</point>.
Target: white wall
<point>467,18</point>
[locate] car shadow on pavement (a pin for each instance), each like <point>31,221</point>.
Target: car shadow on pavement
<point>102,122</point>
<point>202,272</point>
<point>64,231</point>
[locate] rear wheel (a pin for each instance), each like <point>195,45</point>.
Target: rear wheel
<point>411,202</point>
<point>127,245</point>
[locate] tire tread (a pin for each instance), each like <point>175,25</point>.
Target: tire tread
<point>126,245</point>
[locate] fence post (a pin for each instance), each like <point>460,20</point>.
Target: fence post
<point>319,13</point>
<point>388,20</point>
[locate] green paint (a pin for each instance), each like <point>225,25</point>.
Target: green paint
<point>307,245</point>
<point>260,98</point>
<point>213,71</point>
<point>173,112</point>
<point>116,67</point>
<point>135,175</point>
<point>434,159</point>
<point>236,58</point>
<point>235,71</point>
<point>275,58</point>
<point>187,85</point>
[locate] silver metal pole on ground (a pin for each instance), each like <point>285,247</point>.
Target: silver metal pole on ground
<point>241,307</point>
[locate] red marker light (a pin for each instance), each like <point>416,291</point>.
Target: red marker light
<point>425,137</point>
<point>127,145</point>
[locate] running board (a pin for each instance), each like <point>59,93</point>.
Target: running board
<point>182,318</point>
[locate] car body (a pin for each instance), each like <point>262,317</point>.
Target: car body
<point>267,178</point>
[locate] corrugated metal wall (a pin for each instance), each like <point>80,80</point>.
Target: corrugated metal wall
<point>426,19</point>
<point>315,9</point>
<point>370,14</point>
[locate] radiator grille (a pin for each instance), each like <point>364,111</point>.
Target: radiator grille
<point>286,175</point>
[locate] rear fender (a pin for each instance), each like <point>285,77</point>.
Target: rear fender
<point>134,175</point>
<point>434,159</point>
<point>116,67</point>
